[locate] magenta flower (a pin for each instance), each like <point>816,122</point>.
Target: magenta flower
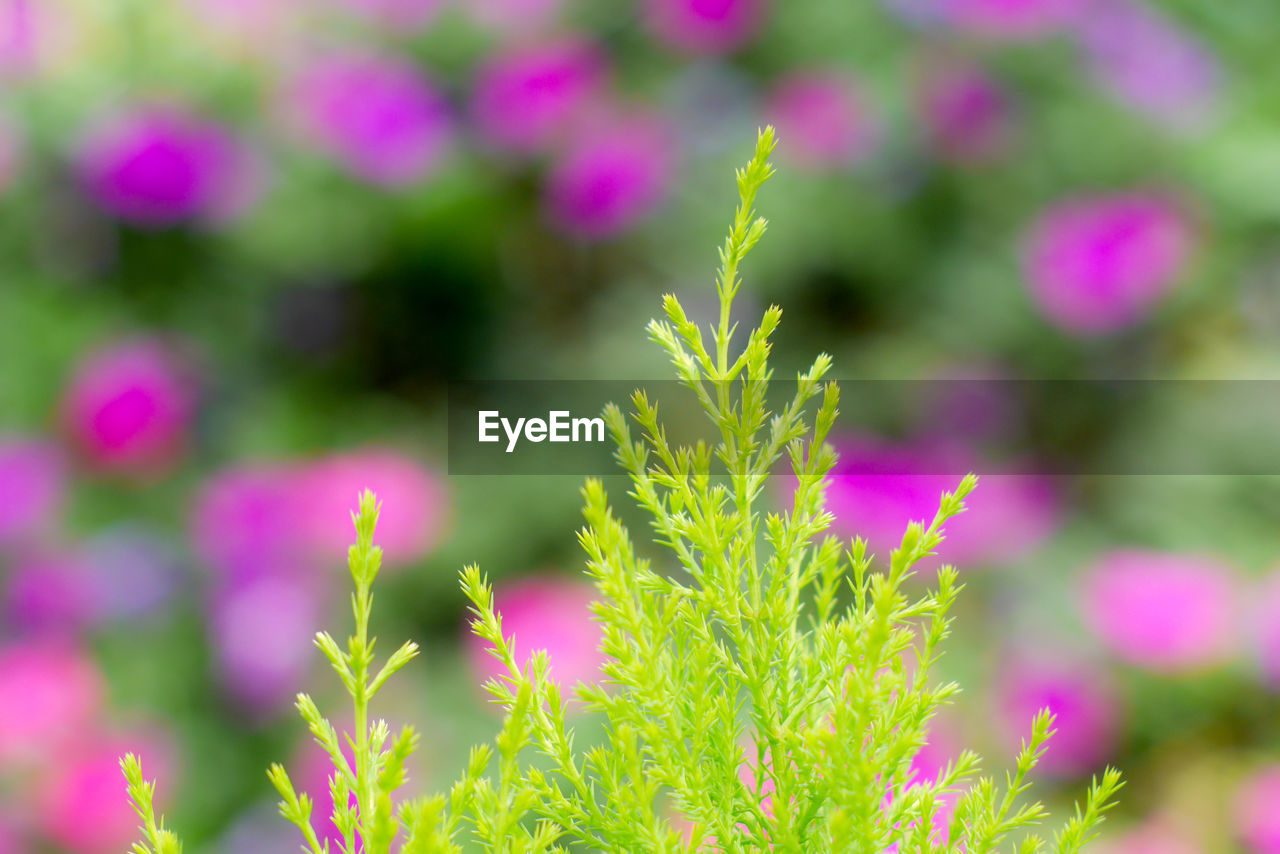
<point>1164,612</point>
<point>529,97</point>
<point>378,116</point>
<point>1097,264</point>
<point>877,488</point>
<point>414,504</point>
<point>967,115</point>
<point>158,166</point>
<point>1012,19</point>
<point>1087,714</point>
<point>545,612</point>
<point>129,407</point>
<point>262,636</point>
<point>249,521</point>
<point>823,120</point>
<point>1257,822</point>
<point>80,805</point>
<point>610,178</point>
<point>705,26</point>
<point>50,591</point>
<point>32,483</point>
<point>1149,63</point>
<point>50,691</point>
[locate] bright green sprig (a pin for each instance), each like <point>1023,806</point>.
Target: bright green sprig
<point>142,794</point>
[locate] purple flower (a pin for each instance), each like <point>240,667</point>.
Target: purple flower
<point>514,15</point>
<point>128,407</point>
<point>968,116</point>
<point>551,613</point>
<point>32,483</point>
<point>49,591</point>
<point>158,166</point>
<point>414,512</point>
<point>130,573</point>
<point>1087,715</point>
<point>705,26</point>
<point>528,97</point>
<point>1164,612</point>
<point>1011,19</point>
<point>1149,63</point>
<point>609,178</point>
<point>1257,821</point>
<point>1096,264</point>
<point>877,488</point>
<point>262,637</point>
<point>823,120</point>
<point>248,521</point>
<point>376,115</point>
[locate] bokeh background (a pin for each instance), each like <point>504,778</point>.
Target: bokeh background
<point>247,245</point>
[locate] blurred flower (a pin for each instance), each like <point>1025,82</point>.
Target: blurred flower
<point>262,635</point>
<point>705,26</point>
<point>1165,612</point>
<point>877,488</point>
<point>822,118</point>
<point>376,115</point>
<point>545,612</point>
<point>49,692</point>
<point>529,96</point>
<point>131,573</point>
<point>10,840</point>
<point>81,805</point>
<point>260,831</point>
<point>1149,63</point>
<point>1266,623</point>
<point>396,14</point>
<point>129,406</point>
<point>609,178</point>
<point>967,114</point>
<point>1155,836</point>
<point>1096,264</point>
<point>32,482</point>
<point>36,35</point>
<point>414,504</point>
<point>49,590</point>
<point>248,521</point>
<point>513,15</point>
<point>158,166</point>
<point>1011,19</point>
<point>1086,713</point>
<point>1257,821</point>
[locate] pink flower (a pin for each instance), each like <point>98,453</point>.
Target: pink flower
<point>823,120</point>
<point>1154,836</point>
<point>49,692</point>
<point>1149,63</point>
<point>1012,19</point>
<point>967,115</point>
<point>609,179</point>
<point>545,612</point>
<point>1266,628</point>
<point>705,26</point>
<point>32,483</point>
<point>877,488</point>
<point>378,116</point>
<point>158,166</point>
<point>262,636</point>
<point>1257,821</point>
<point>1097,264</point>
<point>35,34</point>
<point>129,407</point>
<point>514,15</point>
<point>1164,612</point>
<point>395,14</point>
<point>414,504</point>
<point>250,520</point>
<point>528,97</point>
<point>82,805</point>
<point>1086,714</point>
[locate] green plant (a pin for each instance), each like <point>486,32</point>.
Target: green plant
<point>769,695</point>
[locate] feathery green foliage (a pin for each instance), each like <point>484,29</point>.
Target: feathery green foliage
<point>771,695</point>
